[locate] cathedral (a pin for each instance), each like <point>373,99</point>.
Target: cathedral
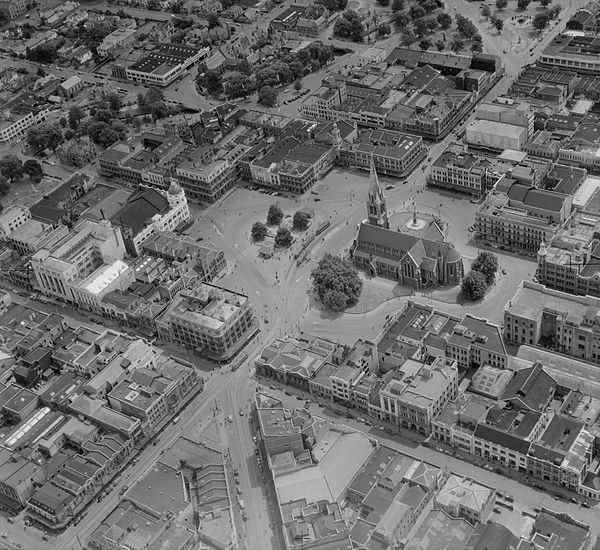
<point>417,256</point>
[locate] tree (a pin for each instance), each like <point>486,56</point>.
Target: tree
<point>431,23</point>
<point>4,186</point>
<point>523,4</point>
<point>553,12</point>
<point>456,45</point>
<point>383,3</point>
<point>301,220</point>
<point>501,4</point>
<point>275,215</point>
<point>298,85</point>
<point>465,27</point>
<point>487,264</point>
<point>336,282</point>
<point>545,3</point>
<point>158,110</point>
<point>45,136</point>
<point>11,167</point>
<point>141,100</point>
<point>115,102</point>
<point>349,25</point>
<point>420,28</point>
<point>103,115</point>
<point>476,47</point>
<point>34,170</point>
<point>333,5</point>
<point>497,23</point>
<point>401,19</point>
<point>486,11</point>
<point>213,20</point>
<point>213,82</point>
<point>541,20</point>
<point>283,237</point>
<point>416,12</point>
<point>440,45</point>
<point>444,20</point>
<point>474,285</point>
<point>397,5</point>
<point>46,53</point>
<point>267,96</point>
<point>259,231</point>
<point>383,30</point>
<point>407,37</point>
<point>425,44</point>
<point>154,94</point>
<point>102,134</point>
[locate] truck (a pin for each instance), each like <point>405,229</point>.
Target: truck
<point>175,420</point>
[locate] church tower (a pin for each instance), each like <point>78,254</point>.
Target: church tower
<point>376,206</point>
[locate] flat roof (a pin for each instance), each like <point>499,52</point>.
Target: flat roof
<point>497,128</point>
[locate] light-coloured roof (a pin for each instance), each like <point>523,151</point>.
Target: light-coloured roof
<point>464,492</point>
<point>104,276</point>
<point>496,128</point>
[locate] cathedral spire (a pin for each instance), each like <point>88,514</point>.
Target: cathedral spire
<point>376,205</point>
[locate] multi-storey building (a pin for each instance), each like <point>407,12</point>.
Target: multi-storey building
<point>85,265</point>
<point>476,342</point>
<point>13,8</point>
<point>12,218</point>
<point>520,114</point>
<point>18,477</point>
<point>149,211</point>
<point>120,40</point>
<point>392,153</point>
<point>583,146</point>
<point>537,315</point>
<point>165,64</point>
<point>570,261</point>
<point>520,216</point>
<point>563,453</point>
<point>417,392</point>
<point>457,170</point>
<point>20,114</point>
<point>205,182</point>
<point>210,320</point>
<point>573,51</point>
<point>320,104</point>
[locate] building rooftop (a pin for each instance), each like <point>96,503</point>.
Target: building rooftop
<point>531,389</point>
<point>490,381</point>
<point>205,305</point>
<point>439,531</point>
<point>465,491</point>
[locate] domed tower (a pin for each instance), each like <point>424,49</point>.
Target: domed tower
<point>175,195</point>
<point>376,205</point>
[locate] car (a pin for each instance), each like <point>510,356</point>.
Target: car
<point>244,515</point>
<point>585,505</point>
<point>503,271</point>
<point>288,393</point>
<point>389,186</point>
<point>272,387</point>
<point>299,398</point>
<point>317,199</point>
<point>256,451</point>
<point>380,428</point>
<point>497,510</point>
<point>241,412</point>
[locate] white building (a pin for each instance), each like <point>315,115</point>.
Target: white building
<point>496,135</point>
<point>12,218</point>
<point>84,265</point>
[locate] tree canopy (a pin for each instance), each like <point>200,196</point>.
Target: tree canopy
<point>283,237</point>
<point>34,170</point>
<point>349,25</point>
<point>336,283</point>
<point>45,136</point>
<point>474,285</point>
<point>267,96</point>
<point>11,167</point>
<point>259,231</point>
<point>301,220</point>
<point>487,264</point>
<point>275,215</point>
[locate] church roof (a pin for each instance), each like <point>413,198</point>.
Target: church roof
<point>395,245</point>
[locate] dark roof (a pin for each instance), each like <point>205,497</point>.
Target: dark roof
<point>491,536</point>
<point>493,435</point>
<point>567,534</point>
<point>530,388</point>
<point>140,208</point>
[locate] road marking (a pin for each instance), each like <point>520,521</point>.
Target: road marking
<point>299,279</point>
